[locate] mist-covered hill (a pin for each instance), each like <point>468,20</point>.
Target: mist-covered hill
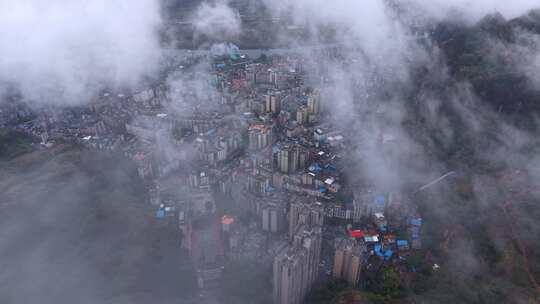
<point>75,228</point>
<point>499,58</point>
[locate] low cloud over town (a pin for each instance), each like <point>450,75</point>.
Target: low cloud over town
<point>269,151</point>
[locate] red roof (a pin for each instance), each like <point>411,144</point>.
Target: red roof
<point>356,233</point>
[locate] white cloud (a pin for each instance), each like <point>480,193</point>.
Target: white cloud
<point>71,46</point>
<point>382,53</point>
<point>216,20</point>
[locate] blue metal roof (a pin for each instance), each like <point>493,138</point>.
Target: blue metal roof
<point>330,167</point>
<point>402,243</point>
<point>315,167</point>
<point>377,248</point>
<point>416,222</point>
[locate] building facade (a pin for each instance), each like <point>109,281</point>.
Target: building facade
<point>296,265</point>
<point>348,260</point>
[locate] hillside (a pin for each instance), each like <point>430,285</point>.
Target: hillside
<point>75,228</point>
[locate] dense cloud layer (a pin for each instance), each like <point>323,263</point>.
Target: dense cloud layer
<point>216,21</point>
<point>382,48</point>
<point>476,9</point>
<point>73,47</point>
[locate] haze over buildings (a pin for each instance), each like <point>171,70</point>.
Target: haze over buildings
<point>378,150</point>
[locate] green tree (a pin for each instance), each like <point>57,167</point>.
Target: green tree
<point>386,283</point>
<point>391,282</point>
<point>326,293</point>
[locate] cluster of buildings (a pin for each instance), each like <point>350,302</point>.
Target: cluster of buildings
<point>12,113</point>
<point>379,243</point>
<point>259,146</point>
